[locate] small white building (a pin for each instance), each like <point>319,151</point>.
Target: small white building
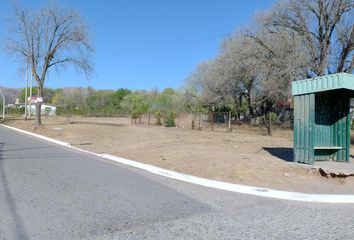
<point>46,109</point>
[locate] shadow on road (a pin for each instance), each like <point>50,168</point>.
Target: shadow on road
<point>20,231</point>
<point>285,154</point>
<point>23,149</point>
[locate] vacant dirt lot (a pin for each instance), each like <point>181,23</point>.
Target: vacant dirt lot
<point>245,156</point>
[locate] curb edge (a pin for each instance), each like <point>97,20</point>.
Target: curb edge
<point>231,187</point>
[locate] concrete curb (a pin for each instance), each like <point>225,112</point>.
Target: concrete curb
<point>256,191</point>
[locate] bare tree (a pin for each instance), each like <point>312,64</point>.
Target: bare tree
<point>230,78</point>
<point>298,39</point>
<point>238,61</point>
<point>281,59</point>
<point>325,28</point>
<point>293,40</point>
<point>49,38</point>
<point>253,66</point>
<point>207,79</point>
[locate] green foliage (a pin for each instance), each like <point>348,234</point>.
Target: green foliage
<point>117,98</point>
<point>165,101</point>
<point>87,101</point>
<point>158,117</point>
<point>135,104</point>
<point>201,109</point>
<point>243,108</point>
<point>170,121</point>
<point>58,99</point>
<point>163,105</point>
<point>48,94</point>
<point>264,119</point>
<point>99,100</point>
<point>13,111</point>
<point>168,103</point>
<point>23,93</point>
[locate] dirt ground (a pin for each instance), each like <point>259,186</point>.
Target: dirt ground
<point>245,156</point>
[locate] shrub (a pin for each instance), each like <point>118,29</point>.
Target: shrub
<point>264,119</point>
<point>170,121</point>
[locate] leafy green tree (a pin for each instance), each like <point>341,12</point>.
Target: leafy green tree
<point>48,94</point>
<point>167,104</point>
<point>135,104</point>
<point>151,97</point>
<point>62,103</point>
<point>99,101</point>
<point>117,97</point>
<point>58,99</point>
<point>22,95</point>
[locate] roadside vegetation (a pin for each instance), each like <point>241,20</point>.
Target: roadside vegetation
<point>248,82</point>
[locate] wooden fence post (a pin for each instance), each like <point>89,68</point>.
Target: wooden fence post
<point>211,119</point>
<point>229,121</point>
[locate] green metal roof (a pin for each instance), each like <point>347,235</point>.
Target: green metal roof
<point>323,83</point>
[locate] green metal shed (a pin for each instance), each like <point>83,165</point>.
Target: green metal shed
<point>322,118</point>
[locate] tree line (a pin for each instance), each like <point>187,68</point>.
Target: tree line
<point>163,106</point>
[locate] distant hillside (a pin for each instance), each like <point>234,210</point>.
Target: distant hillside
<point>10,94</point>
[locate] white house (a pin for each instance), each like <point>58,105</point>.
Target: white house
<point>46,109</point>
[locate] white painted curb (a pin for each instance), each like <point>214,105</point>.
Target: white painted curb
<point>256,191</point>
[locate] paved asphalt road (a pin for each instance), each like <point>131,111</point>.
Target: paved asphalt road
<point>50,192</point>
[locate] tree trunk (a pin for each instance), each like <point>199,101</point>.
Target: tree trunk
<point>38,120</point>
<point>269,113</point>
<point>270,132</point>
<point>240,107</point>
<point>193,121</point>
<point>250,107</point>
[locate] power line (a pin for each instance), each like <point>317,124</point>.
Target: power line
<point>115,10</point>
<point>215,32</point>
<point>164,47</point>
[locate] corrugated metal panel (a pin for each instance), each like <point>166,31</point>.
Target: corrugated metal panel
<point>304,115</point>
<point>322,126</point>
<point>332,125</point>
<point>324,83</point>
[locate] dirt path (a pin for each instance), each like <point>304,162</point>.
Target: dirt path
<point>245,156</point>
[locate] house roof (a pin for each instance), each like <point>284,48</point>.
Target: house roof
<point>323,83</point>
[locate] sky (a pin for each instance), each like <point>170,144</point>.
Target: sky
<point>140,44</point>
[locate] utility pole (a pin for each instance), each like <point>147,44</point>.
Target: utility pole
<point>3,105</point>
<point>26,94</point>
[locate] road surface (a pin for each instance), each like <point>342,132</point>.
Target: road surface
<point>52,192</point>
